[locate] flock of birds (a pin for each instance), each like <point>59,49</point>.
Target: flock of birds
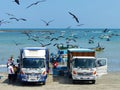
<point>67,38</point>
<point>47,23</point>
<point>36,38</point>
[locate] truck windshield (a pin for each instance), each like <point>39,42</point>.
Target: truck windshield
<point>84,63</point>
<point>33,63</point>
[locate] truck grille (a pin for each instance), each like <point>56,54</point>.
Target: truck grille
<point>33,73</point>
<point>85,73</point>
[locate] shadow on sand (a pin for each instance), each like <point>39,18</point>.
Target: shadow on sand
<point>18,83</point>
<point>67,80</point>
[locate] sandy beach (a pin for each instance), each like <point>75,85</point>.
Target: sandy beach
<point>111,81</point>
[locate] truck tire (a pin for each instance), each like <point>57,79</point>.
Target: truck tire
<point>74,81</point>
<point>93,81</point>
<point>44,83</point>
<point>70,75</point>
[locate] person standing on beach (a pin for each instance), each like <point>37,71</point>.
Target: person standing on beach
<point>15,73</point>
<point>10,73</point>
<point>10,61</point>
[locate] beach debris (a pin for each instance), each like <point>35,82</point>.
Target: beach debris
<point>47,23</point>
<point>74,17</point>
<point>35,3</point>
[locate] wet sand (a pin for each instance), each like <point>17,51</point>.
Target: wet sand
<point>111,81</point>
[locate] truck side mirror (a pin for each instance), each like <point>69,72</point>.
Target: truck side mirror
<point>100,63</point>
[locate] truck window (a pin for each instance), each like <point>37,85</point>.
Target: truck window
<point>101,63</point>
<point>83,63</point>
<point>33,63</point>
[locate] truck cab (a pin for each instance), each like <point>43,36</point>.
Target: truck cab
<point>34,64</point>
<point>84,66</point>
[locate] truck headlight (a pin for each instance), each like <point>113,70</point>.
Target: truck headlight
<point>44,73</point>
<point>94,72</point>
<point>74,72</point>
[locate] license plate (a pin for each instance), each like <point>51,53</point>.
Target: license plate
<point>33,78</point>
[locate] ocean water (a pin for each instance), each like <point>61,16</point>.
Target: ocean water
<point>11,41</point>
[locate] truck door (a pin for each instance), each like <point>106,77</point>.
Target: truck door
<point>101,66</point>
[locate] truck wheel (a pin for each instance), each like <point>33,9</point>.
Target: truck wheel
<point>44,83</point>
<point>70,76</point>
<point>73,81</point>
<point>93,81</point>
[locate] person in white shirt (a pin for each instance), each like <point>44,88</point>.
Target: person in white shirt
<point>10,73</point>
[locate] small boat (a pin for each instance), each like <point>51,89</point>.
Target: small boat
<point>98,48</point>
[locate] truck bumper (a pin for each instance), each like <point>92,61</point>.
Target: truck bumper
<point>26,78</point>
<point>83,77</point>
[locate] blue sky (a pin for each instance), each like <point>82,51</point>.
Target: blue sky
<point>91,13</point>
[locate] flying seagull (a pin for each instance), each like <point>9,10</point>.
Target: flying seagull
<point>3,22</point>
<point>17,1</point>
<point>35,3</point>
<point>74,17</point>
<point>9,14</point>
<point>17,19</point>
<point>16,43</point>
<point>47,23</point>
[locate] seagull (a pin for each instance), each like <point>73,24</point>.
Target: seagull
<point>43,45</point>
<point>54,39</point>
<point>9,14</point>
<point>106,30</point>
<point>74,17</point>
<point>35,3</point>
<point>16,43</point>
<point>3,22</point>
<point>17,1</point>
<point>17,19</point>
<point>47,23</point>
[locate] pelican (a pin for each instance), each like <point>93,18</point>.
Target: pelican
<point>17,19</point>
<point>43,45</point>
<point>9,14</point>
<point>74,17</point>
<point>17,1</point>
<point>54,39</point>
<point>35,3</point>
<point>3,22</point>
<point>47,23</point>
